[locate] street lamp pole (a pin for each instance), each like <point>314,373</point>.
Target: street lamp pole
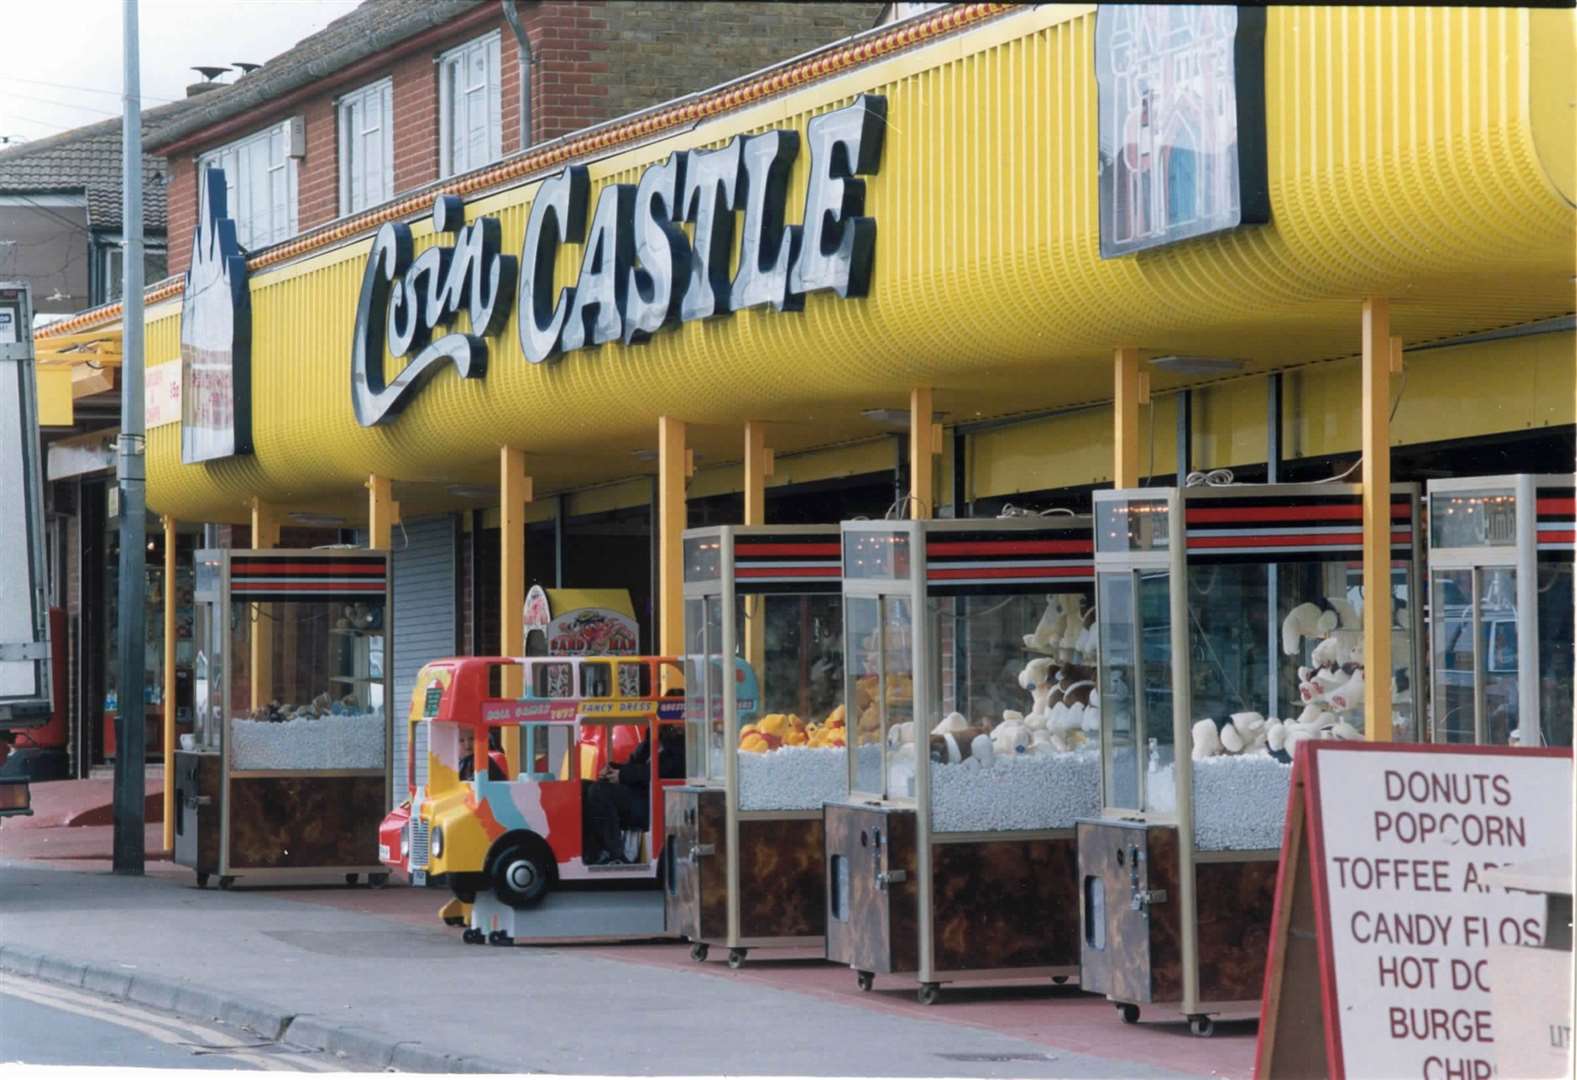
<point>131,735</point>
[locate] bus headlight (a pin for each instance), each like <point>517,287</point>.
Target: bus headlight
<point>438,842</point>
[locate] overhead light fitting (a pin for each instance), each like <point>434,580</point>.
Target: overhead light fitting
<point>473,491</point>
<point>301,517</point>
<point>895,416</point>
<point>651,455</point>
<point>1197,365</point>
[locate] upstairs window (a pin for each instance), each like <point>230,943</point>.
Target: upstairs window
<point>469,129</point>
<point>366,147</point>
<point>260,182</point>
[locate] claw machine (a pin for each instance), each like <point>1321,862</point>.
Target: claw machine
<point>286,770</point>
<point>969,679</point>
<point>744,855</point>
<point>1500,567</point>
<point>1232,628</point>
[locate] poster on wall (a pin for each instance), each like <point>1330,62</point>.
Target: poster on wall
<point>1181,101</point>
<point>216,335</point>
<point>1388,910</point>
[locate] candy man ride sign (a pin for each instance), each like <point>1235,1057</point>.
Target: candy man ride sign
<point>1383,925</point>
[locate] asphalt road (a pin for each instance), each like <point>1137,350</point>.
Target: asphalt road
<point>46,1024</point>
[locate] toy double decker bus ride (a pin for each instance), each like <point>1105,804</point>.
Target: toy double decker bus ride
<point>502,789</point>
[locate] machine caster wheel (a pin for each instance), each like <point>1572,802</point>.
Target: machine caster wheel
<point>351,879</point>
<point>928,993</point>
<point>1059,979</point>
<point>473,936</point>
<point>377,881</point>
<point>226,880</point>
<point>498,937</point>
<point>202,881</point>
<point>736,958</point>
<point>1129,1013</point>
<point>1202,1026</point>
<point>864,980</point>
<point>698,952</point>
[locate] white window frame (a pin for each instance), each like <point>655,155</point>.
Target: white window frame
<point>265,155</point>
<point>457,68</point>
<point>366,171</point>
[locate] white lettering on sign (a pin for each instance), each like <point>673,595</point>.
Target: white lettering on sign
<point>1408,837</point>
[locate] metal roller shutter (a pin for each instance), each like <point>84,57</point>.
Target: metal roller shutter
<point>424,616</point>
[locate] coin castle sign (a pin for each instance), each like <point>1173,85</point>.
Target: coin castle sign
<point>640,273</point>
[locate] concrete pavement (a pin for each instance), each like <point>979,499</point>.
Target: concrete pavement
<point>372,974</point>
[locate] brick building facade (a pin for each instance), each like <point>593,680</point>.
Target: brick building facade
<point>592,61</point>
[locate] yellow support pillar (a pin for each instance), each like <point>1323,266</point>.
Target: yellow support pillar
<point>382,513</point>
<point>514,492</point>
<point>1128,390</point>
<point>674,467</point>
<point>169,683</point>
<point>758,467</point>
<point>925,442</point>
<point>1376,445</point>
<point>265,535</point>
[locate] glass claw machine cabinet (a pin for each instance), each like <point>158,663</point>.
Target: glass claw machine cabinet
<point>286,771</point>
<point>1232,629</point>
<point>1500,614</point>
<point>969,652</point>
<point>765,747</point>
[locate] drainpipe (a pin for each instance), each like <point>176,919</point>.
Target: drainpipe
<point>528,60</point>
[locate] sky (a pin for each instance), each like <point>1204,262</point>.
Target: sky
<point>62,65</point>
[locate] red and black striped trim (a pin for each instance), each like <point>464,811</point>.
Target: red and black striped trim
<point>1274,528</point>
<point>303,577</point>
<point>788,563</point>
<point>1555,511</point>
<point>1023,561</point>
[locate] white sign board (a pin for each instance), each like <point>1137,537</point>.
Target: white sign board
<point>1408,837</point>
<point>161,394</point>
<point>1379,962</point>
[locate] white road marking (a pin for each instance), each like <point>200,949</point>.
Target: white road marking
<point>197,1037</point>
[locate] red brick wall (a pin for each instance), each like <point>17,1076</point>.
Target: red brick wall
<point>181,195</point>
<point>595,61</point>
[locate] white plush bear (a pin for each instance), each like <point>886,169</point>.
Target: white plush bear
<point>1249,728</point>
<point>981,750</point>
<point>1319,686</point>
<point>1343,730</point>
<point>1276,735</point>
<point>1072,626</point>
<point>1344,612</point>
<point>1301,622</point>
<point>1350,694</point>
<point>1091,721</point>
<point>1088,645</point>
<point>1037,679</point>
<point>1047,632</point>
<point>950,723</point>
<point>1008,737</point>
<point>1207,740</point>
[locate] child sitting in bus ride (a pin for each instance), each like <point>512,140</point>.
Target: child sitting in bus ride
<point>621,797</point>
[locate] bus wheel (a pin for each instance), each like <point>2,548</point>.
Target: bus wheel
<point>520,878</point>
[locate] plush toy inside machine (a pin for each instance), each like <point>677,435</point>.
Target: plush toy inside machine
<point>286,768</point>
<point>1232,629</point>
<point>970,650</point>
<point>767,740</point>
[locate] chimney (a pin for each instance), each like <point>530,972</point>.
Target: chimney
<point>202,88</point>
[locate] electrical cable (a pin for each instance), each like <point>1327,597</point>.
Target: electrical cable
<point>82,89</point>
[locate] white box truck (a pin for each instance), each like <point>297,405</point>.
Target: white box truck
<point>25,693</point>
